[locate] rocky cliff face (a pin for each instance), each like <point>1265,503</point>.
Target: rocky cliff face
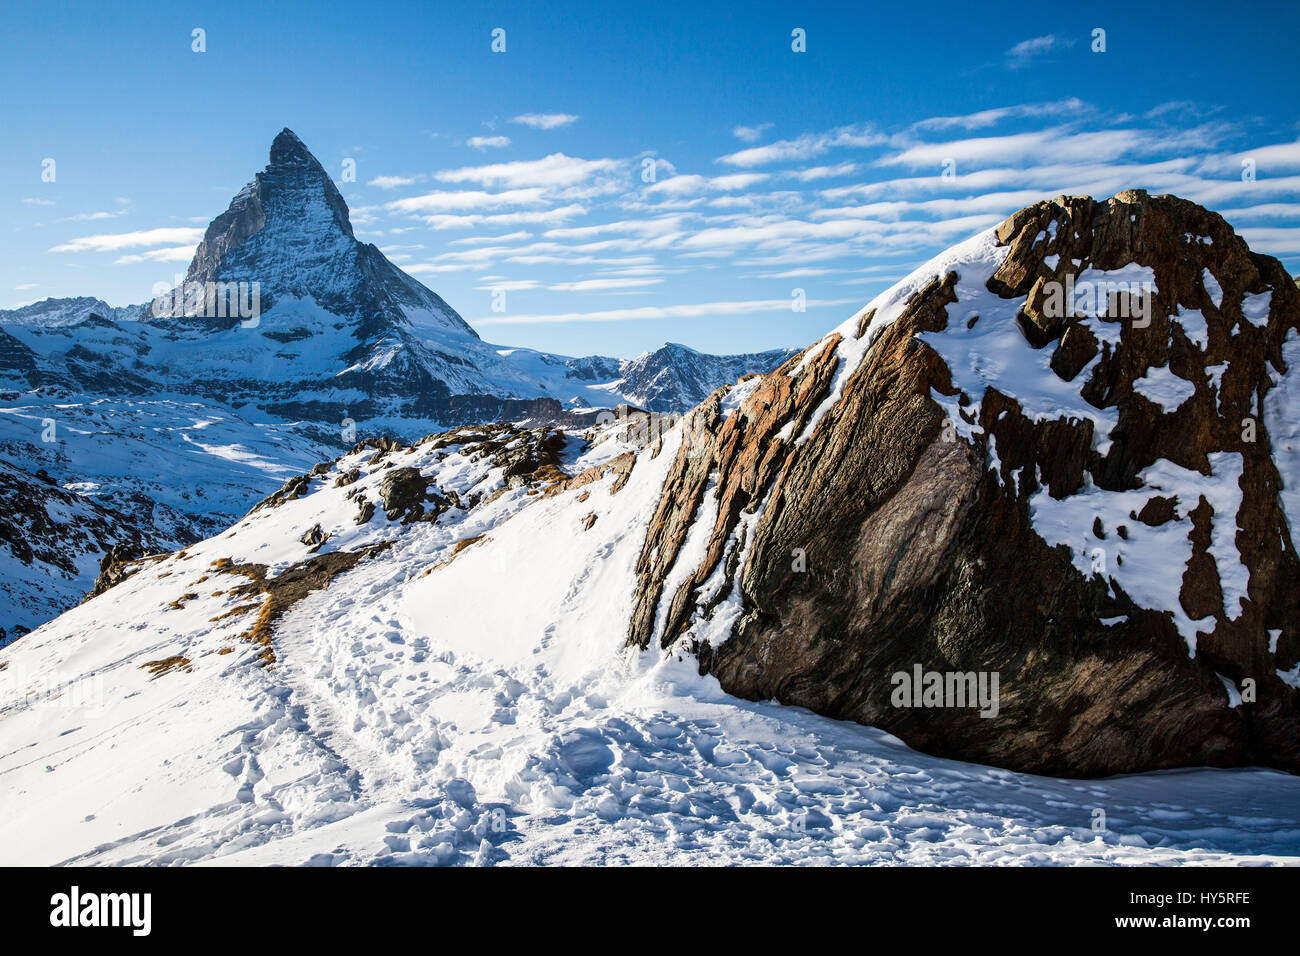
<point>1061,456</point>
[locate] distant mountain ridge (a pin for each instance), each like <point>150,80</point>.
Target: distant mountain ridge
<point>674,377</point>
<point>56,313</point>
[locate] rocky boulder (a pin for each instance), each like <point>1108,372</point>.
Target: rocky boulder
<point>409,496</point>
<point>1033,507</point>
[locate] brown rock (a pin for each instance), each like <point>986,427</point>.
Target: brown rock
<point>1077,348</point>
<point>881,547</point>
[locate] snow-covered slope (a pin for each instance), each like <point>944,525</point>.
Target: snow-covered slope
<point>162,470</point>
<point>458,691</point>
<point>186,467</point>
<point>51,543</point>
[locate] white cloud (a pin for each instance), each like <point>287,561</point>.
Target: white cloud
<point>686,185</point>
<point>804,273</point>
<point>429,267</point>
<point>554,216</point>
<point>1275,242</point>
<point>466,199</point>
<point>603,285</point>
<point>555,170</point>
<point>1274,210</point>
<point>93,216</point>
<point>579,260</point>
<point>1023,53</point>
<point>750,134</point>
<point>488,142</point>
<point>391,182</point>
<point>38,202</point>
<point>545,120</point>
<point>701,310</point>
<point>509,285</point>
<point>111,242</point>
<point>1173,106</point>
<point>826,172</point>
<point>635,227</point>
<point>985,118</point>
<point>1264,159</point>
<point>804,147</point>
<point>1056,145</point>
<point>479,240</point>
<point>172,254</point>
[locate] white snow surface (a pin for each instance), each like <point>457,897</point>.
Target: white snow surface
<point>984,347</point>
<point>1162,387</point>
<point>1149,563</point>
<point>487,712</point>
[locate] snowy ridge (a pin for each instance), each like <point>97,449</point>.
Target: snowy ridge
<point>51,543</point>
<point>675,378</point>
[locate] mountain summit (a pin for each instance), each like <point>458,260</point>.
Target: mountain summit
<point>284,309</point>
<point>288,231</point>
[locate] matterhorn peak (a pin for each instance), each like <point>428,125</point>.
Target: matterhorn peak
<point>288,148</point>
<point>287,236</point>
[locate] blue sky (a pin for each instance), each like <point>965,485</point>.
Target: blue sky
<point>774,170</point>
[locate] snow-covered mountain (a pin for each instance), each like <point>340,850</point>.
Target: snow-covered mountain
<point>675,377</point>
<point>286,342</point>
<point>54,542</point>
<point>284,309</point>
<point>475,647</point>
<point>168,470</point>
<point>52,313</point>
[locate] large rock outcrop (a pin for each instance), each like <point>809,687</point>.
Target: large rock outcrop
<point>1062,456</point>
